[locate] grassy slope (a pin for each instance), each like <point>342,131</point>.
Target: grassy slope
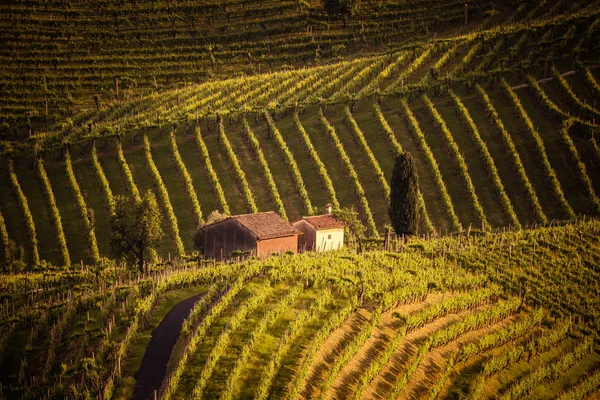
<point>399,125</point>
<point>557,153</point>
<point>32,187</point>
<point>527,151</point>
<point>448,167</point>
<point>510,179</point>
<point>9,205</point>
<point>488,197</point>
<point>73,226</point>
<point>192,158</point>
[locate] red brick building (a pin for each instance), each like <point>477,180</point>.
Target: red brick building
<point>260,234</point>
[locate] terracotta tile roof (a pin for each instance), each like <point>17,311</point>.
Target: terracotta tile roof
<point>266,225</point>
<point>325,221</point>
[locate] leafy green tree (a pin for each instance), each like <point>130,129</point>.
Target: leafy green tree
<point>135,228</point>
<point>354,230</point>
<point>404,189</point>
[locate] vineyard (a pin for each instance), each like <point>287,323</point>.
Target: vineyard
<point>243,106</point>
<point>507,315</point>
<point>501,135</point>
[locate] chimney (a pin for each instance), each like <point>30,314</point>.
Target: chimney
<point>328,208</point>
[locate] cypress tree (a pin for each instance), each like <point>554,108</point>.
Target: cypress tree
<point>404,189</point>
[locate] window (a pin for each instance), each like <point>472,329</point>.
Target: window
<point>328,236</point>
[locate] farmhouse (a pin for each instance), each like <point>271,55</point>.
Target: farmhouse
<point>320,232</point>
<point>259,234</point>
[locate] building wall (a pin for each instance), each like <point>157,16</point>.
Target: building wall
<point>277,245</point>
<point>307,240</point>
<point>329,239</point>
<point>222,239</point>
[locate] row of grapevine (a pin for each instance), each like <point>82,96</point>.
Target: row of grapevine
<point>439,384</point>
<point>187,179</point>
<point>551,106</point>
<point>350,351</point>
<point>391,137</point>
<point>290,162</point>
<point>224,339</point>
<point>553,370</point>
<point>516,158</point>
<point>164,196</point>
<point>295,386</point>
<point>581,169</point>
<point>267,320</point>
<point>487,159</point>
<point>196,329</point>
<point>126,171</point>
<point>358,189</point>
<point>60,234</point>
<point>589,111</point>
<point>466,60</point>
<point>212,175</point>
<point>4,239</point>
<point>286,342</point>
<point>358,134</point>
<point>415,321</point>
<point>359,79</point>
<point>541,149</point>
<point>316,160</point>
<point>83,209</point>
<point>240,175</point>
<point>399,384</point>
<point>264,165</point>
<point>35,256</point>
<point>478,320</point>
<point>384,74</point>
<point>399,83</point>
<point>498,338</point>
<point>592,82</point>
<point>457,155</point>
<point>441,186</point>
<point>586,387</point>
<point>103,181</point>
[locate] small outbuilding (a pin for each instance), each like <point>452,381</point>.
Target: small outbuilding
<point>320,232</point>
<point>258,234</point>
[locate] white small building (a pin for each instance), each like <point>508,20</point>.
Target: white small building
<point>320,233</point>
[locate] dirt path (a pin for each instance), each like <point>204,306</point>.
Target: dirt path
<point>164,336</point>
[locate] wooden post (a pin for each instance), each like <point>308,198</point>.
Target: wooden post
<point>466,14</point>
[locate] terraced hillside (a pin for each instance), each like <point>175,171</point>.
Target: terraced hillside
<point>501,121</point>
<point>507,315</point>
<point>59,56</point>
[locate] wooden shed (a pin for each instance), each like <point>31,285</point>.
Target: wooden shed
<point>259,234</point>
<point>320,233</point>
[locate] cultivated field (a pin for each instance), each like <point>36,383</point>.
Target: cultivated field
<point>510,315</point>
<point>244,106</point>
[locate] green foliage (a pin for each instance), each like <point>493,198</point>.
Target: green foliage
<point>441,186</point>
<point>86,214</point>
<point>27,213</point>
<point>358,189</point>
<point>212,175</point>
<point>404,196</point>
<point>164,196</point>
<point>540,147</point>
<point>354,229</point>
<point>514,154</point>
<point>240,175</point>
<point>60,234</point>
<point>135,228</point>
